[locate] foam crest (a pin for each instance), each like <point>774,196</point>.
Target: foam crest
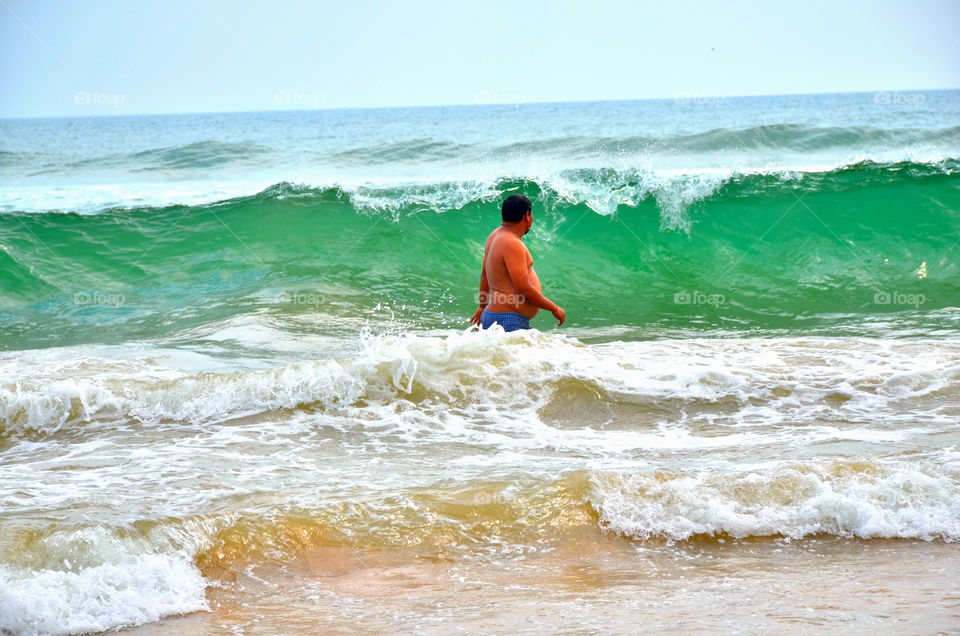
<point>45,407</point>
<point>848,499</point>
<point>106,596</point>
<point>602,188</point>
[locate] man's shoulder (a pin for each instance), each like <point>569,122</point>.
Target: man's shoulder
<point>509,241</point>
<point>499,237</point>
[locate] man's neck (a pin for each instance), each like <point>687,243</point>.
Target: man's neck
<point>515,228</point>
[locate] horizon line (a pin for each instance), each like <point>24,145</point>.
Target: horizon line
<point>505,104</point>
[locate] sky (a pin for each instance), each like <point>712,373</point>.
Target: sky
<point>116,57</point>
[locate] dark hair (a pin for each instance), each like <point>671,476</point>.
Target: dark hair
<point>515,207</point>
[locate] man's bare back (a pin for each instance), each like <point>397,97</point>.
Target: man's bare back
<point>502,244</point>
<point>508,282</point>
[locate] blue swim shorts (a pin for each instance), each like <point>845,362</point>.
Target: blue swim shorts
<point>510,321</point>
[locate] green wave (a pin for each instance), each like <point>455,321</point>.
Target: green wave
<point>766,251</point>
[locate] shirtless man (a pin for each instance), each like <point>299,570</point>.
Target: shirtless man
<point>510,292</point>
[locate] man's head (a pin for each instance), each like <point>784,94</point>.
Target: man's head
<point>517,208</point>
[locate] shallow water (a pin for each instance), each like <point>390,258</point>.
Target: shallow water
<point>593,582</point>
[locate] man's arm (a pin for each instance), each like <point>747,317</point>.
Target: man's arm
<point>515,257</point>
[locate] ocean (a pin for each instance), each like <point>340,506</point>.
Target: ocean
<point>239,392</point>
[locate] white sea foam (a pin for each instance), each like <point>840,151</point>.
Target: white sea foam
<point>849,499</point>
<point>46,406</point>
<point>784,379</point>
<point>601,188</point>
<point>90,199</point>
<point>97,598</point>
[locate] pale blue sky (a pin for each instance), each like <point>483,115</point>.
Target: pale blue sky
<point>128,57</point>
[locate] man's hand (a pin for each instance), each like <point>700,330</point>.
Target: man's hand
<point>559,314</point>
<point>476,317</point>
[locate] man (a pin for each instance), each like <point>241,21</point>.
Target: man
<point>510,292</point>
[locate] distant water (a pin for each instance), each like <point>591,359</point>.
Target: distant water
<point>235,374</point>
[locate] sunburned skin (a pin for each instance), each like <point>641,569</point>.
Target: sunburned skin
<point>508,282</point>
